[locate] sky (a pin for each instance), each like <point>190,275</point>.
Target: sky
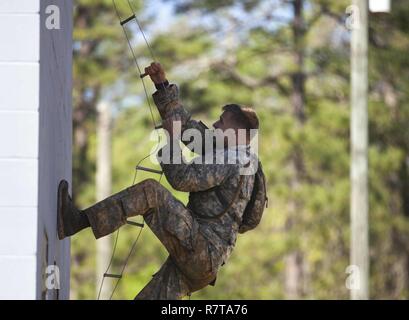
<point>162,12</point>
<point>161,16</point>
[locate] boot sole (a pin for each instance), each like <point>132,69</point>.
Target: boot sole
<point>62,194</point>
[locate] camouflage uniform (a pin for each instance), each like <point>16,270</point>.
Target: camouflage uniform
<point>197,244</point>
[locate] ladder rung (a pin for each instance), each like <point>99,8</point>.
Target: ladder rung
<point>127,20</point>
<point>110,275</point>
<point>137,224</point>
<point>148,169</point>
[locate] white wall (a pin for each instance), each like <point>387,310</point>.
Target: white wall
<point>35,145</point>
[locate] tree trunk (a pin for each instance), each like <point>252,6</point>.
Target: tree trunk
<point>103,190</point>
<point>359,151</point>
<point>294,261</point>
<point>83,109</point>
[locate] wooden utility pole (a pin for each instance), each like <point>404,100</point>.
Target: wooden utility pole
<point>103,190</point>
<point>359,150</point>
<point>295,275</point>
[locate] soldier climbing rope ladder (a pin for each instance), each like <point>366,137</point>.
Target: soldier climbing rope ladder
<point>223,202</point>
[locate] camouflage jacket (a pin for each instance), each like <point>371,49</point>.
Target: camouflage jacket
<point>211,186</point>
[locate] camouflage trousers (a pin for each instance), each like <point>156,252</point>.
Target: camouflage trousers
<point>189,266</point>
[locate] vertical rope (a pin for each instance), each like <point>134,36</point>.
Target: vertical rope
<point>139,69</point>
<point>126,262</point>
<point>109,265</point>
<point>158,143</point>
<point>143,33</point>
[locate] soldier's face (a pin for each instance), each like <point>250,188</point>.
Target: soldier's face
<point>226,121</point>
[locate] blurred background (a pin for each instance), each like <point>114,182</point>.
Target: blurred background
<point>290,60</point>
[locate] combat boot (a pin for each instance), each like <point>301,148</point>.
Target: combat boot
<point>70,220</point>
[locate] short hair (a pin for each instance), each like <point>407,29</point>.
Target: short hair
<point>243,115</point>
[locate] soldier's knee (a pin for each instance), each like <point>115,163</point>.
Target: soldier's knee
<point>150,182</point>
<point>152,185</point>
<point>153,191</point>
